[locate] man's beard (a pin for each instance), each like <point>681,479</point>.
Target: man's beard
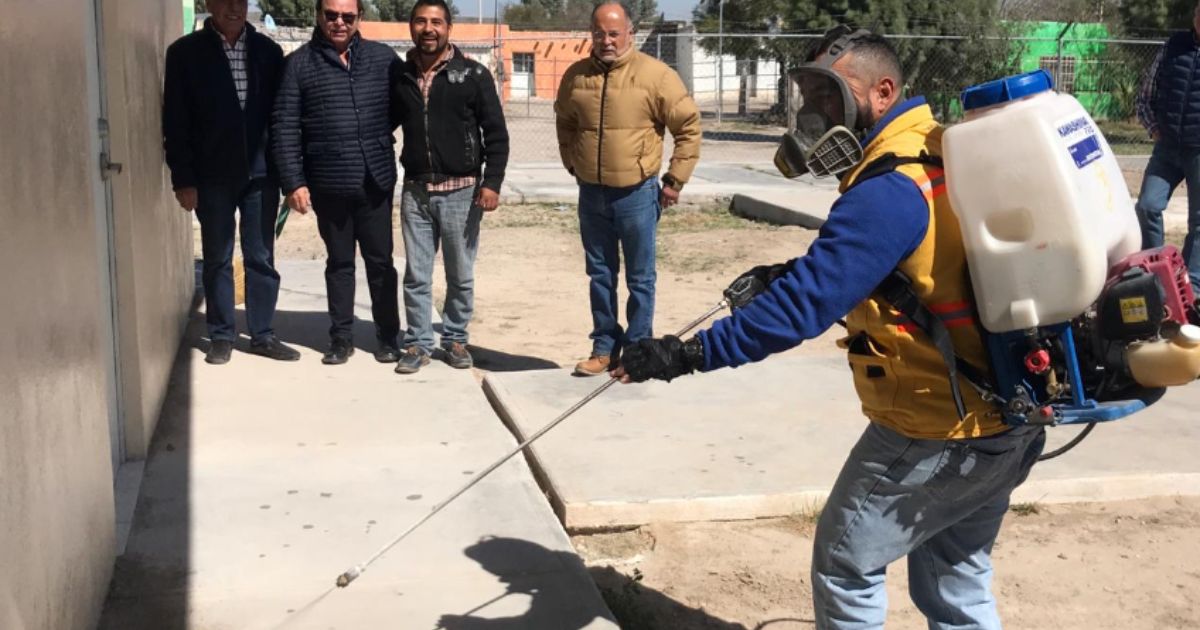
<point>865,121</point>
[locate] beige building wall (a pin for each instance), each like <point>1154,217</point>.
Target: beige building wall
<point>154,264</point>
<point>56,476</point>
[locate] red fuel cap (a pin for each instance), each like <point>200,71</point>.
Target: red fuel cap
<point>1037,361</point>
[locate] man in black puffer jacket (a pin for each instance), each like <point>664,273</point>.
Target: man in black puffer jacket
<point>332,142</point>
<point>1168,105</point>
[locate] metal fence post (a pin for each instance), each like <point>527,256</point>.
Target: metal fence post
<point>1058,59</point>
<point>720,59</point>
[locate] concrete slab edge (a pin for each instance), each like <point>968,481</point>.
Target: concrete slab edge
<point>505,406</point>
<point>1107,488</point>
<point>759,210</point>
<point>609,515</point>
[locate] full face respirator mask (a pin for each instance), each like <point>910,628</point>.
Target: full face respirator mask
<point>825,138</point>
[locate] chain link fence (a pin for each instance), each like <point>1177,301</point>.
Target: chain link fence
<point>748,101</point>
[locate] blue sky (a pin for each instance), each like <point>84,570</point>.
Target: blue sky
<point>677,9</point>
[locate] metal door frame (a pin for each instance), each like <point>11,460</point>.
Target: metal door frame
<point>103,206</point>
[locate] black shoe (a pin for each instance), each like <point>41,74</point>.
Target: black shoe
<point>413,359</point>
<point>456,356</point>
<point>339,352</point>
<point>387,352</point>
<point>219,352</point>
<point>273,348</point>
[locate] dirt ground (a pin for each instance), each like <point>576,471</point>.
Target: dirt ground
<point>1125,565</point>
<point>1120,566</point>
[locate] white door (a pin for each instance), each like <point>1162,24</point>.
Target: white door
<point>103,209</point>
<point>522,76</point>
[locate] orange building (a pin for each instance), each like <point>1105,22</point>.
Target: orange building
<point>533,61</point>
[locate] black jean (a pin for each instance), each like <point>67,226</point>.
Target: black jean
<point>257,202</point>
<point>364,218</point>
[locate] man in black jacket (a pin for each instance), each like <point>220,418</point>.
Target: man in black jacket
<point>332,139</point>
<point>453,125</point>
<point>219,90</point>
<point>1168,105</point>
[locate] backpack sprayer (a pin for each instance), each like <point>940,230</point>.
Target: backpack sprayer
<point>1080,326</point>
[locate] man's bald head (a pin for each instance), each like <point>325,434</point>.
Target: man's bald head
<point>607,7</point>
<point>612,31</point>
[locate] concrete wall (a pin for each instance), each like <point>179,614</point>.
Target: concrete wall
<point>56,478</point>
<point>152,235</point>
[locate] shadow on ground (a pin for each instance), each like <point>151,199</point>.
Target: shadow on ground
<point>310,329</point>
<point>498,361</point>
<point>639,607</point>
<point>149,588</point>
<point>523,565</point>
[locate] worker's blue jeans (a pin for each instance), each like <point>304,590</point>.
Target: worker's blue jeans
<point>1169,165</point>
<point>613,218</point>
<point>939,502</point>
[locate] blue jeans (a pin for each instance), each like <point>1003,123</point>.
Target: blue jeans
<point>451,220</point>
<point>939,502</point>
<point>1169,165</point>
<point>626,217</point>
<point>258,202</point>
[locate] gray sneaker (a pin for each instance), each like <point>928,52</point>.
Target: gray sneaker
<point>457,356</point>
<point>413,359</point>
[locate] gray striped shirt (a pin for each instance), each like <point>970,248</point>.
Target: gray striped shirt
<point>236,54</point>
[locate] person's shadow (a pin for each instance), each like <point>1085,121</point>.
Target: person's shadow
<point>530,569</point>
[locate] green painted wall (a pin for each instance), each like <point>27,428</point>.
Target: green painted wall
<point>1106,74</point>
<point>189,15</point>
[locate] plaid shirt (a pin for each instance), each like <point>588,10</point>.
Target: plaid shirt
<point>236,54</point>
<point>425,81</point>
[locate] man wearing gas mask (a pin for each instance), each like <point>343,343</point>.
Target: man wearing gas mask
<point>931,476</point>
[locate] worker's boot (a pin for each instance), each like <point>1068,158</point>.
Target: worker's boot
<point>593,366</point>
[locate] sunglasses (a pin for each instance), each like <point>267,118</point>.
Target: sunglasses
<point>347,18</point>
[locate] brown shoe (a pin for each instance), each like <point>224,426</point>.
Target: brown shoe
<point>594,366</point>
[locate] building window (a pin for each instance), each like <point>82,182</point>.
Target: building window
<point>1065,77</point>
<point>523,63</point>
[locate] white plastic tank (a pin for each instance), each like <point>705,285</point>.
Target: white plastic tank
<point>1041,201</point>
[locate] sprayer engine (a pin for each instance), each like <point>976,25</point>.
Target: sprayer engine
<point>1114,359</point>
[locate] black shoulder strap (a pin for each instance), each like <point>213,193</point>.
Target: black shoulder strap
<point>889,162</point>
<point>897,290</point>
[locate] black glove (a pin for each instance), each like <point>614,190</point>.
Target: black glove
<point>663,359</point>
<point>748,285</point>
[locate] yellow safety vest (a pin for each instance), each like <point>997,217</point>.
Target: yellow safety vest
<point>900,376</point>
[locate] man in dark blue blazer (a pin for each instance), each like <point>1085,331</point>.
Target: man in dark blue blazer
<point>220,89</point>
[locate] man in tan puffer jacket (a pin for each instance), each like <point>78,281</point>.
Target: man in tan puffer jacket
<point>611,111</point>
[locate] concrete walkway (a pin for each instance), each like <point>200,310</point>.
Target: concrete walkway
<point>267,480</point>
<point>769,439</point>
<point>547,182</point>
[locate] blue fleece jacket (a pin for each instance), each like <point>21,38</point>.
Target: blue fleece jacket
<point>870,230</point>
